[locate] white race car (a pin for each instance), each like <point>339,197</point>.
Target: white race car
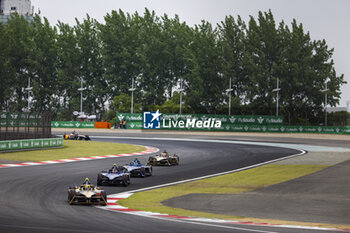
<point>136,169</point>
<point>116,175</point>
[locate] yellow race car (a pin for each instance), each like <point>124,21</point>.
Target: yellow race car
<point>86,194</point>
<point>164,159</point>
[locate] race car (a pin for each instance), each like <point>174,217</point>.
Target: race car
<point>117,175</point>
<point>164,159</point>
<point>137,169</point>
<point>86,194</point>
<point>76,136</point>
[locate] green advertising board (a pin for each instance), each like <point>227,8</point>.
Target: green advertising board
<point>135,120</point>
<point>72,124</point>
<point>264,124</point>
<point>30,144</point>
<point>225,119</point>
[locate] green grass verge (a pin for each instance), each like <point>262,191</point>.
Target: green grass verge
<point>234,183</point>
<point>73,149</point>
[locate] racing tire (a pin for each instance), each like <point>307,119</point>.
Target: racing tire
<point>148,172</point>
<point>125,181</point>
<point>99,179</point>
<point>104,195</point>
<point>142,172</point>
<point>70,196</point>
<point>151,161</point>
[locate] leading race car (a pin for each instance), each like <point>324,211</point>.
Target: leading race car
<point>86,194</point>
<point>116,175</point>
<point>137,169</point>
<point>164,159</point>
<point>76,136</point>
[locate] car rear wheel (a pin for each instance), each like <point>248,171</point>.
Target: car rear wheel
<point>142,172</point>
<point>70,196</point>
<point>99,179</point>
<point>125,181</point>
<point>151,161</point>
<point>104,195</point>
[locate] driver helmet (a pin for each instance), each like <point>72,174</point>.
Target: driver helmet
<point>114,168</point>
<point>86,182</point>
<point>136,161</point>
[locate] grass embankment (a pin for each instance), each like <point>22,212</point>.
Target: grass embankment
<point>73,149</point>
<point>234,183</point>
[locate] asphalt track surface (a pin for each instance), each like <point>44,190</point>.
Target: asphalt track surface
<point>34,198</point>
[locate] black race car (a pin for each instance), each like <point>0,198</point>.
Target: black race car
<point>76,136</point>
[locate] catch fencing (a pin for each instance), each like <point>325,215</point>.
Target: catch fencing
<point>28,125</point>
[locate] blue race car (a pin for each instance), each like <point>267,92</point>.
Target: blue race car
<point>136,169</point>
<point>116,175</point>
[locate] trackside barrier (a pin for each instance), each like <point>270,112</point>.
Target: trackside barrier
<point>72,124</point>
<point>30,144</point>
<point>263,124</point>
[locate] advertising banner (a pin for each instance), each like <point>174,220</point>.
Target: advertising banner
<point>72,124</point>
<point>30,144</point>
<point>135,120</point>
<point>207,122</point>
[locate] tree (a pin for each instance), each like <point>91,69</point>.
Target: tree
<point>91,65</point>
<point>173,105</point>
<point>68,69</point>
<point>4,80</point>
<point>204,83</point>
<point>161,54</point>
<point>122,104</point>
<point>304,69</point>
<point>232,35</point>
<point>120,50</point>
<point>43,66</point>
<point>17,55</point>
<point>263,57</point>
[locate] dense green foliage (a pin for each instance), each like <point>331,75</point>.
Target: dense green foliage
<point>159,53</point>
